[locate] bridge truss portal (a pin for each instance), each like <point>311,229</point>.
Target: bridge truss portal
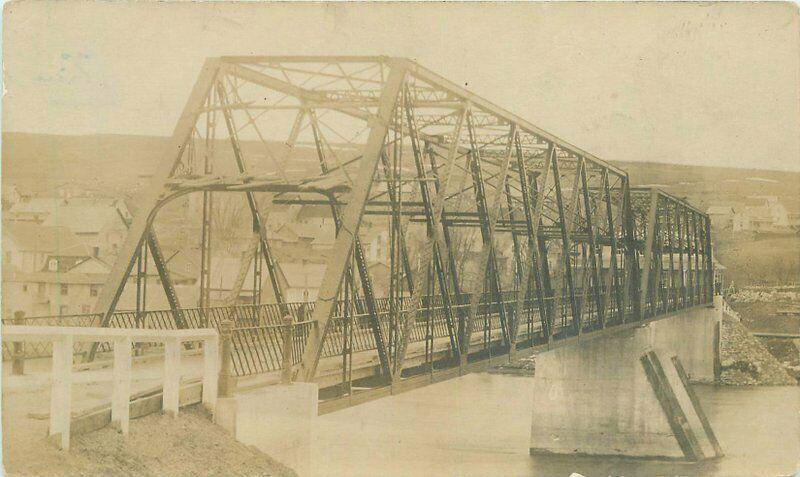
<point>492,221</point>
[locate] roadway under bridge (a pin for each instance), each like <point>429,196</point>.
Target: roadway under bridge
<point>502,236</point>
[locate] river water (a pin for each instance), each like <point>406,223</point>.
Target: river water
<point>479,425</point>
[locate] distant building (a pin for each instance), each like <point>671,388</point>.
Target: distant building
<point>721,216</point>
<point>296,279</point>
<point>47,292</point>
<point>301,279</point>
<point>101,226</point>
<point>30,247</point>
<point>762,214</point>
<point>48,270</point>
<point>12,195</point>
<point>34,209</point>
<point>99,222</point>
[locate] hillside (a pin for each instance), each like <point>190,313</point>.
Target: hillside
<point>38,162</point>
<point>117,165</point>
<point>706,186</point>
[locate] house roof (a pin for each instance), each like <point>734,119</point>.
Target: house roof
<point>84,219</point>
<point>303,275</point>
<point>37,205</point>
<point>68,278</point>
<point>719,210</point>
<point>31,237</point>
<point>311,231</point>
<point>313,211</point>
<point>759,212</point>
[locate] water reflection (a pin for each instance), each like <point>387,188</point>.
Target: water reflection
<point>479,425</point>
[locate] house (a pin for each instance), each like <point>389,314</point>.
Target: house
<point>34,209</point>
<point>30,247</point>
<point>47,270</point>
<point>12,195</point>
<point>103,227</point>
<point>721,216</point>
<point>296,279</point>
<point>49,293</point>
<point>301,280</point>
<point>762,214</point>
<point>100,222</point>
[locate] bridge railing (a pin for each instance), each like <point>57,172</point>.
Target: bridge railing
<point>257,334</point>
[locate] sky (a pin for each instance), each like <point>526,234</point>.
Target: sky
<point>714,84</point>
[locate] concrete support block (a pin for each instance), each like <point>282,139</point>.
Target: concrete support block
<point>689,334</point>
<point>225,414</point>
<point>277,419</point>
<point>17,359</point>
<point>594,397</point>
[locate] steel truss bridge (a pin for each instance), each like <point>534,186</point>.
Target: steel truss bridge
<point>501,235</point>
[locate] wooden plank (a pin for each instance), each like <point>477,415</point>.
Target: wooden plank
<point>672,409</point>
<point>141,404</point>
<point>697,407</point>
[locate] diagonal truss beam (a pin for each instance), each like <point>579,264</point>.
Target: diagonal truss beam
<point>487,264</point>
<point>533,213</point>
<point>109,295</point>
<point>360,259</point>
<point>435,254</point>
<point>351,220</point>
<point>259,225</point>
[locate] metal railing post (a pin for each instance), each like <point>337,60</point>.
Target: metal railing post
<point>18,348</point>
<point>227,382</point>
<point>286,361</point>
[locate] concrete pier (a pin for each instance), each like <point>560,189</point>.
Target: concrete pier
<point>602,395</point>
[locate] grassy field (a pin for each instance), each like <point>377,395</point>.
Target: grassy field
<point>760,260</point>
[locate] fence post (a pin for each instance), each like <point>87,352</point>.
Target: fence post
<point>172,376</point>
<point>121,391</point>
<point>60,395</point>
<point>226,380</point>
<point>18,348</point>
<point>288,338</point>
<point>210,371</point>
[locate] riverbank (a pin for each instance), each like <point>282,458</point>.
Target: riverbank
<point>746,361</point>
<point>765,310</point>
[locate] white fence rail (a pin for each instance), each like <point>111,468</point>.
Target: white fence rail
<point>63,339</point>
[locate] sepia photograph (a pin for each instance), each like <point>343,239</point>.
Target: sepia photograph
<point>401,239</point>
